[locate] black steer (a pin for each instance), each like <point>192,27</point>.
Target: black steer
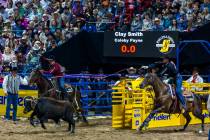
<point>49,108</point>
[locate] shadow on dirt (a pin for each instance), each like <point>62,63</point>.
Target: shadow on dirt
<point>35,132</point>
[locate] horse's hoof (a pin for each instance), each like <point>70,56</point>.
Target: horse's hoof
<point>200,132</point>
<point>139,130</point>
<point>32,123</point>
<point>71,133</point>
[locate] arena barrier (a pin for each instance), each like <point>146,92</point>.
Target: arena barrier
<point>95,91</point>
<point>21,100</point>
<point>131,105</point>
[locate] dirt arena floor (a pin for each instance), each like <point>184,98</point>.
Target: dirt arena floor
<point>98,130</point>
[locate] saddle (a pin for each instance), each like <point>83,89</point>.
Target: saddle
<point>171,91</point>
<point>187,95</point>
<point>68,88</point>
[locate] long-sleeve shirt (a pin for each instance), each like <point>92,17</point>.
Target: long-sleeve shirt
<point>195,79</point>
<point>169,69</point>
<point>11,84</point>
<point>55,70</point>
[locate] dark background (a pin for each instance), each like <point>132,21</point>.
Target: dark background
<point>85,52</point>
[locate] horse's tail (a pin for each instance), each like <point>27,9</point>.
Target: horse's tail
<point>203,97</point>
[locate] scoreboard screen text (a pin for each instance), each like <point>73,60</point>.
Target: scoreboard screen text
<point>140,44</point>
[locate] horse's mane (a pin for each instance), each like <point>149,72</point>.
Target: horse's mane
<point>158,79</point>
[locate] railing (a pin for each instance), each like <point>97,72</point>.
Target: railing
<point>206,78</point>
<point>95,91</point>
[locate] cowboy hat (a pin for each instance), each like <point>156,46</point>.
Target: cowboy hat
<point>152,66</point>
<point>24,37</point>
<point>131,70</point>
<point>36,47</point>
<point>51,58</point>
<point>37,42</point>
<point>24,32</point>
<point>18,2</point>
<point>156,19</point>
<point>46,15</point>
<point>166,57</point>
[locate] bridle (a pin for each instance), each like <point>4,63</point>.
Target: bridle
<point>38,80</point>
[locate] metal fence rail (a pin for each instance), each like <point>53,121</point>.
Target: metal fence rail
<point>95,91</point>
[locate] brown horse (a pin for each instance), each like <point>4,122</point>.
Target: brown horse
<point>163,102</point>
<point>46,88</point>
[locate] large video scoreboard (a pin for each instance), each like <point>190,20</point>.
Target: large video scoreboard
<point>140,44</point>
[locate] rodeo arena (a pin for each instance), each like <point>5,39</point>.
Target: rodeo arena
<point>105,69</point>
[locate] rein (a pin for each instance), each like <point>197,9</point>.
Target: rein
<point>75,98</point>
<point>39,81</point>
<point>48,91</point>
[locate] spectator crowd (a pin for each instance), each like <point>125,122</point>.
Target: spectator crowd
<point>28,28</point>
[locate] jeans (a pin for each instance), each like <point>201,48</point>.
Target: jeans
<point>12,99</point>
<point>61,82</point>
<point>179,90</point>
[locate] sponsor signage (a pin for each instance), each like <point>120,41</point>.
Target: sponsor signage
<point>23,95</point>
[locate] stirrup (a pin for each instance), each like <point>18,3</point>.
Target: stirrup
<point>183,110</point>
<point>69,90</point>
<point>58,91</point>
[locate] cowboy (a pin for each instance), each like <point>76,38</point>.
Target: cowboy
<point>132,73</point>
<point>11,84</point>
<point>157,26</point>
<point>33,57</point>
<point>153,68</point>
<point>195,78</point>
<point>34,54</point>
<point>169,70</point>
<point>57,71</point>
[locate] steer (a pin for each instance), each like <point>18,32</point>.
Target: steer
<point>48,108</point>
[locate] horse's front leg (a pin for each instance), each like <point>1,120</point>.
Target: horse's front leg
<point>188,119</point>
<point>148,119</point>
<point>32,118</point>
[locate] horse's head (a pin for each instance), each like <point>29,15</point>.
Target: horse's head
<point>34,76</point>
<point>148,80</point>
